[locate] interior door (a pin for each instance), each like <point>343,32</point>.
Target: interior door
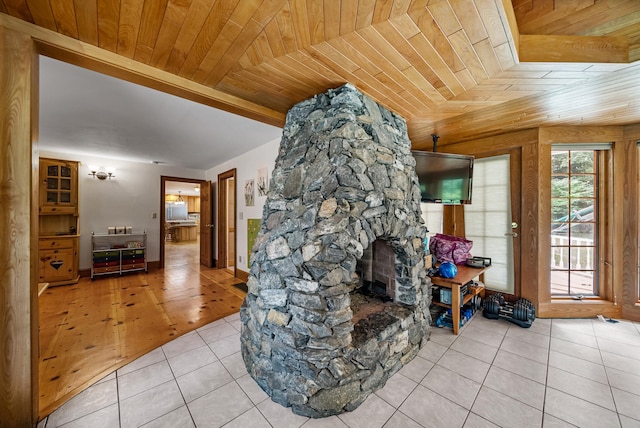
<point>206,225</point>
<point>226,242</point>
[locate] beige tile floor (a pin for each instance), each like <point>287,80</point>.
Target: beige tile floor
<point>558,373</point>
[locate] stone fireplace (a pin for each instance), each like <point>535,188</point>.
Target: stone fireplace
<point>343,185</point>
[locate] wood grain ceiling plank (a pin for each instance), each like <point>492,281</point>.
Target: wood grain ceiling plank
<point>624,25</point>
<point>153,13</point>
<point>300,20</point>
<point>451,86</point>
<point>393,38</point>
<point>42,14</point>
<point>198,13</point>
<point>274,102</point>
<point>493,24</point>
<point>335,57</point>
<point>130,15</point>
<point>172,23</point>
<point>216,20</point>
<point>65,15</point>
<point>504,53</point>
<point>405,28</point>
<point>322,64</point>
<point>19,9</point>
<point>315,16</point>
<point>526,15</point>
<point>87,19</point>
<point>557,17</point>
<point>365,13</point>
<point>350,46</point>
<point>229,34</point>
<point>445,17</point>
<point>384,48</point>
<point>108,19</point>
<point>285,25</point>
<point>470,20</point>
<point>466,79</point>
<point>274,39</point>
<point>243,62</point>
<point>418,5</point>
<point>262,47</point>
<point>602,49</point>
<point>511,95</point>
<point>348,15</point>
<point>400,7</point>
<point>311,74</point>
<point>376,90</point>
<point>287,85</point>
<point>252,54</point>
<point>437,39</point>
<point>382,11</point>
<point>488,57</point>
<point>225,54</point>
<point>468,55</point>
<point>331,20</point>
<point>3,7</point>
<point>434,96</point>
<point>269,80</point>
<point>301,76</point>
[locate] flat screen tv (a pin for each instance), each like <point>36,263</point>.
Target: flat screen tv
<point>444,178</point>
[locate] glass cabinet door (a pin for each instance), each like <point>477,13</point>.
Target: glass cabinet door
<point>58,185</point>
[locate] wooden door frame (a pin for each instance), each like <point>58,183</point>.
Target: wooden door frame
<point>163,181</point>
<point>222,217</point>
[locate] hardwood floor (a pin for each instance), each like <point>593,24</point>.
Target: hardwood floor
<point>90,329</point>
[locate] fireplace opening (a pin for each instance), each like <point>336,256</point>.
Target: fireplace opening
<point>376,280</point>
<point>377,271</point>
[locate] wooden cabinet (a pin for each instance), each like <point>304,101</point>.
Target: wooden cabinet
<point>58,222</point>
<point>193,204</point>
<point>58,260</point>
<point>58,187</point>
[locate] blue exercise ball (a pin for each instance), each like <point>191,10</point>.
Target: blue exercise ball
<point>448,270</point>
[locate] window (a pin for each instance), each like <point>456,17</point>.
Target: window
<point>575,206</point>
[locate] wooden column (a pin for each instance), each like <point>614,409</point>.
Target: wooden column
<point>18,231</point>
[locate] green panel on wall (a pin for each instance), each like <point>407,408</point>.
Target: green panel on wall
<point>253,227</point>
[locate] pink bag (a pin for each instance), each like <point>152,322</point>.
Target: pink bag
<point>448,248</point>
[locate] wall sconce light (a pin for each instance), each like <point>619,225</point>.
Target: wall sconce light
<point>101,175</point>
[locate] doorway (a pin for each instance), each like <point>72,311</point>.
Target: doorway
<point>185,218</point>
<point>227,220</point>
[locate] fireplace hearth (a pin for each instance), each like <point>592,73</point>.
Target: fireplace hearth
<point>322,326</point>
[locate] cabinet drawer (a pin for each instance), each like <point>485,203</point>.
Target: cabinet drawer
<point>106,269</point>
<point>49,243</point>
<point>133,266</point>
<point>58,209</point>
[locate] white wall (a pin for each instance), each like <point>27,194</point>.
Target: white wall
<point>130,199</point>
<point>247,167</point>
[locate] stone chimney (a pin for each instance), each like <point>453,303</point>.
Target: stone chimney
<point>344,178</point>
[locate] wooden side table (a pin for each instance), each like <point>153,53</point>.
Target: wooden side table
<point>465,274</point>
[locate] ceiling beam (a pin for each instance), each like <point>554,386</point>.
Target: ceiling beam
<point>591,49</point>
<point>76,52</point>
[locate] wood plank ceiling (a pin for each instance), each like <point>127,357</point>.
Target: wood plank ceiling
<point>460,68</point>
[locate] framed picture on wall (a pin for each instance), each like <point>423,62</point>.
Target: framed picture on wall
<point>263,182</point>
<point>249,193</point>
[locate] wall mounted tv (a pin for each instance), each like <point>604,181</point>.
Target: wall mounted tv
<point>444,178</point>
